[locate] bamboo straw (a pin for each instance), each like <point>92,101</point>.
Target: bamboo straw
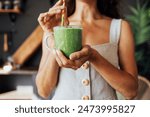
<point>62,19</point>
<point>63,15</point>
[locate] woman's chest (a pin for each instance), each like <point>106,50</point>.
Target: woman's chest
<point>94,35</point>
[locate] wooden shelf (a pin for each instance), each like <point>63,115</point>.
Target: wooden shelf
<point>18,72</point>
<point>17,11</point>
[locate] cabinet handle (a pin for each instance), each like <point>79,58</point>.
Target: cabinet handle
<point>5,42</point>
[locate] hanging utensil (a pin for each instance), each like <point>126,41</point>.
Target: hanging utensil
<point>5,42</point>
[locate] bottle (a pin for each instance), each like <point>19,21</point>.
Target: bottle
<point>7,4</point>
<point>16,4</point>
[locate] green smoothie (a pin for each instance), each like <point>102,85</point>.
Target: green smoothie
<point>68,39</point>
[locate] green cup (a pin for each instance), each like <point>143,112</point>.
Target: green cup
<point>68,39</point>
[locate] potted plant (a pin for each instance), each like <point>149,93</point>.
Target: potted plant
<point>140,22</point>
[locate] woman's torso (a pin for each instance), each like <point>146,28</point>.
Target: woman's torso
<point>86,83</point>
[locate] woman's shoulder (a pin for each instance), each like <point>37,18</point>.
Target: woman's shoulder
<point>125,25</point>
<point>126,34</point>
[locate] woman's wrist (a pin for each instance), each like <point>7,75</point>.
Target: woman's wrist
<point>93,55</point>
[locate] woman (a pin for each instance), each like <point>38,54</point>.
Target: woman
<point>104,65</point>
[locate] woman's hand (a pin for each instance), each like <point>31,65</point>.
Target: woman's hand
<point>77,59</point>
<point>52,18</point>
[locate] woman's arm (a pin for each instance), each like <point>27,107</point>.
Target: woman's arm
<point>48,70</point>
<point>125,79</point>
<point>46,78</point>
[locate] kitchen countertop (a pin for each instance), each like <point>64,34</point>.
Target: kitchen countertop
<point>21,93</point>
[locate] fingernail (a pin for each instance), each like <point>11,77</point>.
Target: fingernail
<point>70,57</point>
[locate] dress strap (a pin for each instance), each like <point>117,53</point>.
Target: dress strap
<point>115,30</point>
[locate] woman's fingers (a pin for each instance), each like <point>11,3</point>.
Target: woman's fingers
<point>51,12</point>
<point>44,17</point>
<point>55,11</point>
<point>66,62</point>
<point>85,51</point>
<point>81,61</point>
<point>60,2</point>
<point>66,21</point>
<point>63,61</point>
<point>41,16</point>
<point>56,8</point>
<point>57,58</point>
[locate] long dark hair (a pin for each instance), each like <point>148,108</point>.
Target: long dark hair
<point>106,7</point>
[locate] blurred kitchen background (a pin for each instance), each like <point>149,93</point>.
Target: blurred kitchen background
<point>20,44</point>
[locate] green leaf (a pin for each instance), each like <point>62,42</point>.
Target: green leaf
<point>138,55</point>
<point>149,12</point>
<point>140,23</point>
<point>146,30</point>
<point>133,19</point>
<point>134,10</point>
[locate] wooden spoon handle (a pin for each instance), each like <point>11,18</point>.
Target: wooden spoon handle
<point>5,42</point>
